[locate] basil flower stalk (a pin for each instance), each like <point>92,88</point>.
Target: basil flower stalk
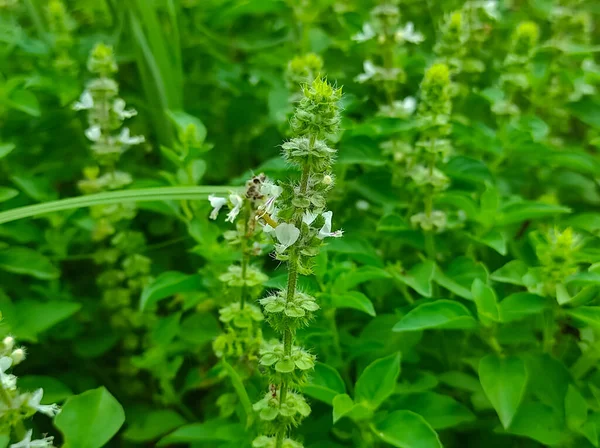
<point>298,221</point>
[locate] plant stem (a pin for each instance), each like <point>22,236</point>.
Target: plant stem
<point>245,259</point>
<point>288,336</point>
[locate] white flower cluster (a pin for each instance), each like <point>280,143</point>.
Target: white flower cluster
<point>106,110</point>
<point>15,405</point>
<point>286,234</point>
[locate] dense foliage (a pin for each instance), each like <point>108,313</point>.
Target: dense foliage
<point>176,175</point>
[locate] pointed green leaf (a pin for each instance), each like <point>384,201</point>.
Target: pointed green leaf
<point>504,381</point>
<point>378,381</point>
<point>441,314</point>
<point>405,429</point>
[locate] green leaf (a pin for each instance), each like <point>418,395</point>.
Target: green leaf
<point>34,317</point>
<point>512,272</point>
<point>441,314</point>
<point>167,284</point>
<point>343,406</point>
<point>151,425</point>
<point>446,282</point>
<point>22,260</point>
<point>528,210</point>
<point>378,381</point>
<point>576,408</point>
<point>187,123</point>
<point>7,193</point>
<point>468,170</point>
<point>199,328</point>
<point>240,389</point>
<point>90,420</point>
<point>486,302</point>
<point>325,383</point>
<point>419,278</point>
<point>405,429</point>
<point>588,315</point>
<point>494,239</point>
<point>353,299</point>
<point>521,305</point>
<point>6,149</point>
<point>504,381</point>
<point>208,431</point>
<point>355,277</point>
<point>440,411</point>
<point>25,101</point>
<point>540,423</point>
<point>55,390</point>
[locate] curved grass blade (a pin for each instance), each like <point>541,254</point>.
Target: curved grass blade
<point>114,197</point>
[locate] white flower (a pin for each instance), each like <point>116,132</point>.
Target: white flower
<point>122,113</point>
<point>126,139</point>
<point>7,380</point>
<point>216,203</point>
<point>366,34</point>
<point>85,101</point>
<point>46,442</point>
<point>409,104</point>
<point>48,409</point>
<point>309,217</point>
<point>287,234</point>
<point>490,7</point>
<point>94,133</point>
<point>370,71</point>
<point>409,34</point>
<point>237,202</point>
<point>326,229</point>
<point>272,192</point>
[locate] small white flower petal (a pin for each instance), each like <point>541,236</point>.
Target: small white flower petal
<point>409,34</point>
<point>309,217</point>
<point>122,113</point>
<point>93,133</point>
<point>126,139</point>
<point>409,104</point>
<point>46,442</point>
<point>237,201</point>
<point>287,234</point>
<point>86,101</point>
<point>216,203</point>
<point>325,231</point>
<point>366,34</point>
<point>48,409</point>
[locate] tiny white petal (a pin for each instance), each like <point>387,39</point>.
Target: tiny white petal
<point>93,133</point>
<point>216,203</point>
<point>34,403</point>
<point>237,201</point>
<point>86,101</point>
<point>126,139</point>
<point>309,217</point>
<point>366,34</point>
<point>287,234</point>
<point>409,104</point>
<point>122,113</point>
<point>326,229</point>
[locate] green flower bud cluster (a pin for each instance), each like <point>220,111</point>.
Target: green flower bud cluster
<point>298,223</point>
<point>557,253</point>
<point>17,406</point>
<point>515,77</point>
<point>61,26</point>
<point>433,146</point>
<point>301,70</point>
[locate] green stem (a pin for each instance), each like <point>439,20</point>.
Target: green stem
<point>288,336</point>
<point>585,363</point>
<point>245,259</point>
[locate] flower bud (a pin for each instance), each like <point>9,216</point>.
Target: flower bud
<point>102,60</point>
<point>9,343</point>
<point>327,179</point>
<point>435,92</point>
<point>303,69</point>
<point>18,356</point>
<point>525,38</point>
